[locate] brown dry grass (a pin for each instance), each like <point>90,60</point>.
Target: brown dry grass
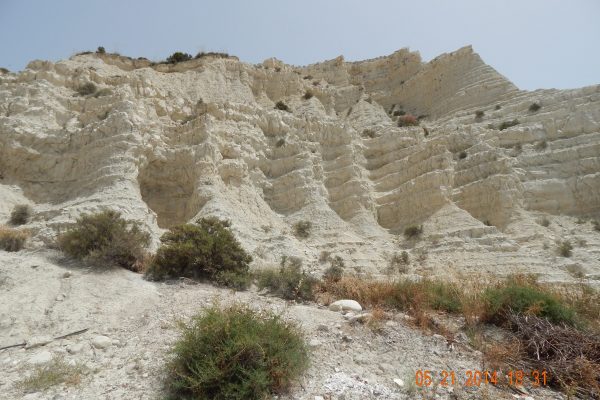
<point>12,239</point>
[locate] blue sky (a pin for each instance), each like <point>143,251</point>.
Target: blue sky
<point>535,43</point>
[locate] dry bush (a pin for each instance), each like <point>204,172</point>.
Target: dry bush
<point>86,89</point>
<point>571,357</point>
<point>302,229</point>
<point>413,231</point>
<point>20,214</point>
<point>408,120</point>
<point>12,239</point>
<point>500,355</point>
<point>565,248</point>
<point>507,124</point>
<point>367,293</point>
<point>289,281</point>
<point>280,105</point>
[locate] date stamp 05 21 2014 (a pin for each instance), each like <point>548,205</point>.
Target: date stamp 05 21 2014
<point>427,378</point>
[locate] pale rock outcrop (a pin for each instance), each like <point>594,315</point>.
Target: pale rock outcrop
<point>167,144</point>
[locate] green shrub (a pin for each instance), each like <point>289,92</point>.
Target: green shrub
<point>280,142</point>
<point>101,50</point>
<point>20,214</point>
<point>86,89</point>
<point>399,113</point>
<point>596,224</point>
<point>534,107</point>
<point>288,281</point>
<point>207,250</point>
<point>565,248</point>
<point>4,70</point>
<point>280,105</point>
<point>178,57</point>
<point>12,239</point>
<point>106,238</point>
<point>525,297</point>
<point>413,231</point>
<point>335,270</point>
<point>507,124</point>
<point>236,354</point>
<point>302,229</point>
<point>307,95</point>
<point>497,107</point>
<point>462,155</point>
<point>479,114</point>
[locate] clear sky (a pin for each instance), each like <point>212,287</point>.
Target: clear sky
<point>535,43</point>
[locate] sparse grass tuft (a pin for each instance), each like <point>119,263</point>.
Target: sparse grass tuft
<point>106,238</point>
<point>280,105</point>
<point>335,270</point>
<point>288,281</point>
<point>101,50</point>
<point>507,124</point>
<point>208,250</point>
<point>545,222</point>
<point>103,92</point>
<point>565,248</point>
<point>369,133</point>
<point>236,354</point>
<point>302,229</point>
<point>54,373</point>
<point>20,214</point>
<point>86,89</point>
<point>413,231</point>
<point>12,239</point>
<point>542,145</point>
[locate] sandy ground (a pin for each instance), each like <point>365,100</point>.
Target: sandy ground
<point>43,295</point>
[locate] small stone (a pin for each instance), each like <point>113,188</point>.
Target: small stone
<point>42,357</point>
<point>60,297</point>
<point>399,382</point>
<point>75,348</point>
<point>37,341</point>
<point>314,343</point>
<point>345,305</point>
<point>101,342</point>
<point>322,328</point>
<point>67,274</point>
<point>319,398</point>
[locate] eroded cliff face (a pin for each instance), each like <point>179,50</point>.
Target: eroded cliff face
<point>166,144</point>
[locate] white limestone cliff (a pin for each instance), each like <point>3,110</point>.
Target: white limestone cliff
<point>166,144</point>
